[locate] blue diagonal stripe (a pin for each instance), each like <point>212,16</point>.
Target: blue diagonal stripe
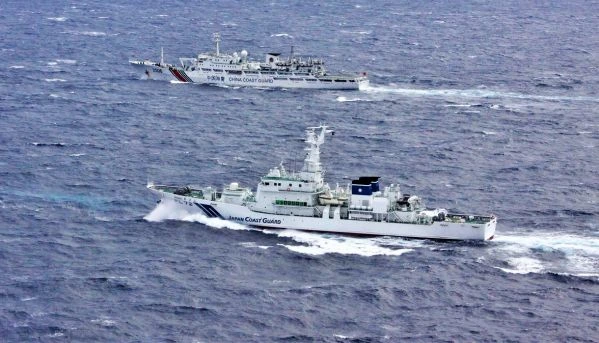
<point>208,214</point>
<point>213,211</point>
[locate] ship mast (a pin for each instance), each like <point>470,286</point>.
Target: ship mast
<point>216,39</point>
<point>312,169</point>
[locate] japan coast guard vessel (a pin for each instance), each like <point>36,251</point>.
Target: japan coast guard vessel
<point>303,201</point>
<point>239,70</point>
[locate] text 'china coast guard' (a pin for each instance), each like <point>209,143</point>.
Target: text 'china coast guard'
<point>235,69</point>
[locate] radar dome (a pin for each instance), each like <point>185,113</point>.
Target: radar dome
<point>244,53</point>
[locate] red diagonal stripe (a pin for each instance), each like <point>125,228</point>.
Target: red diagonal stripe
<point>177,75</point>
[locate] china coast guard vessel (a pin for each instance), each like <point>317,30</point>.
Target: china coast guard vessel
<point>238,69</point>
<point>303,201</point>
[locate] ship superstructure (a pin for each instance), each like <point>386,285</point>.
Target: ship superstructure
<point>237,69</point>
<point>303,201</point>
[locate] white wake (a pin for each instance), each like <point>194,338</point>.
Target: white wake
<point>378,92</point>
<point>310,243</point>
<point>581,253</point>
<point>320,243</point>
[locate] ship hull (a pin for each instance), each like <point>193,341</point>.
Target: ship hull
<point>155,71</point>
<point>242,214</point>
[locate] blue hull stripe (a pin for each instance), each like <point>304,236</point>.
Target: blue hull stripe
<point>213,210</point>
<point>210,211</point>
<point>208,214</point>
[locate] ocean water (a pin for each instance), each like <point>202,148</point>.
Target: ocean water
<point>485,107</point>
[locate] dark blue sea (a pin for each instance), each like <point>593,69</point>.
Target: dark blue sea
<point>476,106</point>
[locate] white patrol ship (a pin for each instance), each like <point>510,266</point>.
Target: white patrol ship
<point>303,201</point>
<point>239,70</point>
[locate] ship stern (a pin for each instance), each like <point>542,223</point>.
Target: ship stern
<point>489,231</point>
<point>362,82</point>
<point>148,70</point>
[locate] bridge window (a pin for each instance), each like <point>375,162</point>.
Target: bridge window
<point>291,203</point>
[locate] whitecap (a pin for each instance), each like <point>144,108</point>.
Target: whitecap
<point>57,18</point>
<point>86,33</point>
<point>345,99</point>
<point>103,322</point>
<point>66,61</point>
<point>281,35</point>
<point>253,245</point>
<point>357,32</point>
<point>16,67</point>
<point>523,265</point>
<point>238,158</point>
<point>461,105</point>
<point>219,162</point>
<point>102,218</point>
<point>93,33</point>
<point>587,275</point>
<point>585,266</point>
<point>55,80</point>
